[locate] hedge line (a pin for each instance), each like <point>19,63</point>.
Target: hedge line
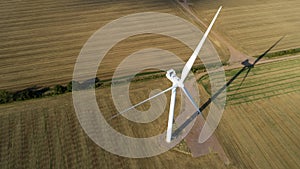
<point>281,53</point>
<point>35,92</point>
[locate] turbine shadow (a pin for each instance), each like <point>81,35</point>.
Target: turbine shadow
<point>207,103</point>
<point>247,65</point>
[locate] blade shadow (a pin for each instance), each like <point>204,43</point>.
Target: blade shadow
<point>267,51</point>
<point>249,69</point>
<point>207,103</point>
<point>247,65</point>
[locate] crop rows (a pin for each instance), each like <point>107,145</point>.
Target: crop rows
<point>254,26</point>
<point>263,133</point>
<point>40,41</point>
<point>47,137</point>
<point>45,133</point>
<point>266,81</point>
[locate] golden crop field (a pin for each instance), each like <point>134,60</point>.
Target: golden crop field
<point>255,132</point>
<point>263,116</point>
<point>45,133</point>
<point>41,40</point>
<point>263,133</point>
<point>260,125</point>
<point>252,26</point>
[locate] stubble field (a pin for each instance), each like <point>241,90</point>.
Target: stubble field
<point>40,41</point>
<point>255,133</point>
<point>252,26</point>
<point>260,124</point>
<point>45,133</point>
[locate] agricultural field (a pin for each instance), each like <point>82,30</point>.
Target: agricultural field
<point>255,132</point>
<point>263,133</point>
<point>279,77</point>
<point>45,133</point>
<point>252,26</point>
<point>41,40</point>
<point>260,125</point>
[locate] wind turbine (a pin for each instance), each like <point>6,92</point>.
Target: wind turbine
<point>178,82</point>
<point>247,65</point>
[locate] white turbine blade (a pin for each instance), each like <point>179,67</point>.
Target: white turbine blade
<point>152,97</point>
<point>189,64</point>
<point>171,115</point>
<point>186,92</point>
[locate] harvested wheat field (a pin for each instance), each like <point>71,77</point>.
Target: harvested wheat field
<point>264,133</point>
<point>41,40</point>
<point>260,126</point>
<point>251,26</point>
<point>45,133</point>
<point>263,116</point>
<point>260,133</point>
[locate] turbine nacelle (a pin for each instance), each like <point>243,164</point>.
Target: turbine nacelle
<point>171,75</point>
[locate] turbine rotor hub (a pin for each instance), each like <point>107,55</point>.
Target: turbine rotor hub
<point>171,75</point>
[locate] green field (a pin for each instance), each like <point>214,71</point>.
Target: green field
<point>266,81</point>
